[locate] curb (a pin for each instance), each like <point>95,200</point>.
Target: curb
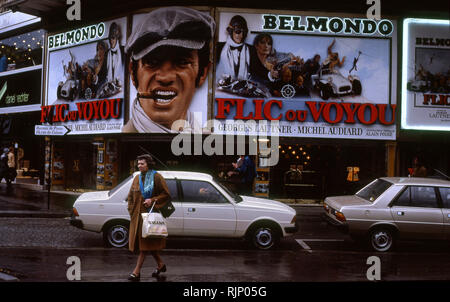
<point>34,214</point>
<point>8,278</point>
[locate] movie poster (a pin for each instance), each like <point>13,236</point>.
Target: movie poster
<point>426,75</point>
<point>323,77</point>
<point>180,100</point>
<point>85,79</point>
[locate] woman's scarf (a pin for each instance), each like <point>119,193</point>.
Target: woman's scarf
<point>147,186</point>
<point>236,59</point>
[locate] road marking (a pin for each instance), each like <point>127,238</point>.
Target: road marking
<point>304,245</point>
<point>330,240</point>
<point>308,248</point>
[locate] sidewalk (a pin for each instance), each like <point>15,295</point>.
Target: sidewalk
<point>31,201</point>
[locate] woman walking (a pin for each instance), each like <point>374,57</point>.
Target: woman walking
<point>148,188</point>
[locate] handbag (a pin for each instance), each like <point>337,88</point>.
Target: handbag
<point>167,209</point>
<point>153,225</point>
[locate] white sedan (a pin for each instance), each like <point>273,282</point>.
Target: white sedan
<point>203,208</point>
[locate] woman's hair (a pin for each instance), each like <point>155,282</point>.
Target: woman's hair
<point>148,159</point>
<point>260,37</point>
<point>102,44</point>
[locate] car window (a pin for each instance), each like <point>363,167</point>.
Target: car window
<point>172,186</point>
<point>373,190</point>
<point>404,200</point>
<point>445,195</point>
<point>201,192</point>
<point>416,196</point>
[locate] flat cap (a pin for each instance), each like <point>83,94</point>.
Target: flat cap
<point>173,26</point>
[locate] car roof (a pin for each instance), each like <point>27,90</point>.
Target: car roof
<point>417,181</point>
<point>183,175</point>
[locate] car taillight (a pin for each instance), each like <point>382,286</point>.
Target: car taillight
<point>340,216</point>
<point>75,212</point>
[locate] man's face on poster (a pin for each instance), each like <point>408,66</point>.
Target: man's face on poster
<point>168,75</point>
<point>238,35</point>
<point>113,42</point>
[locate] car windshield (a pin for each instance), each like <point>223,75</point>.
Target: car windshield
<point>111,192</point>
<point>373,190</point>
<point>235,196</point>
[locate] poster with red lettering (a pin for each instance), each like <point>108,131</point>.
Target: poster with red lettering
<point>302,75</point>
<point>85,78</point>
<point>426,75</point>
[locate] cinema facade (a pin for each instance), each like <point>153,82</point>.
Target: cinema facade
<point>334,129</point>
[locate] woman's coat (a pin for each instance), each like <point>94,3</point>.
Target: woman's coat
<point>136,207</point>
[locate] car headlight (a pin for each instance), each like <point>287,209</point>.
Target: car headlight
<point>294,219</point>
<point>75,212</point>
<point>326,207</point>
<point>340,216</point>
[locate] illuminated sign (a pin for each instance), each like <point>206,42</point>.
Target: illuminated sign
<point>14,93</point>
<point>77,36</point>
<point>327,25</point>
<point>85,79</point>
<point>319,77</point>
<point>426,75</point>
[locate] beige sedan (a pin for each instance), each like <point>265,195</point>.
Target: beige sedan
<point>393,208</point>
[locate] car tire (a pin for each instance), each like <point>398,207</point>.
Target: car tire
<point>264,236</point>
<point>116,234</point>
<point>325,92</point>
<point>58,92</point>
<point>382,239</point>
<point>357,88</point>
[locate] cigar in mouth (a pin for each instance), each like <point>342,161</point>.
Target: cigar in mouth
<point>160,96</point>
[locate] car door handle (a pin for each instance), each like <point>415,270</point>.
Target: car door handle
<point>400,213</point>
<point>191,209</point>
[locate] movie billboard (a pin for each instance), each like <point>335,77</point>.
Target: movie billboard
<point>317,76</point>
<point>179,102</point>
<point>85,78</point>
<point>426,75</point>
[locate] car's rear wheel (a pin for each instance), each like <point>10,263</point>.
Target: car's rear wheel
<point>116,234</point>
<point>382,239</point>
<point>264,236</point>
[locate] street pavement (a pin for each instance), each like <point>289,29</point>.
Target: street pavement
<point>37,248</point>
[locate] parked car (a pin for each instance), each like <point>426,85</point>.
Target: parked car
<point>67,90</point>
<point>390,209</point>
<point>332,83</point>
<point>203,208</point>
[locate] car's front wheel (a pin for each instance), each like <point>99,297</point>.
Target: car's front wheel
<point>264,236</point>
<point>382,239</point>
<point>325,92</point>
<point>357,88</point>
<point>116,234</point>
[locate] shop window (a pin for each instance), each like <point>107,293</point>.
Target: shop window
<point>22,51</point>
